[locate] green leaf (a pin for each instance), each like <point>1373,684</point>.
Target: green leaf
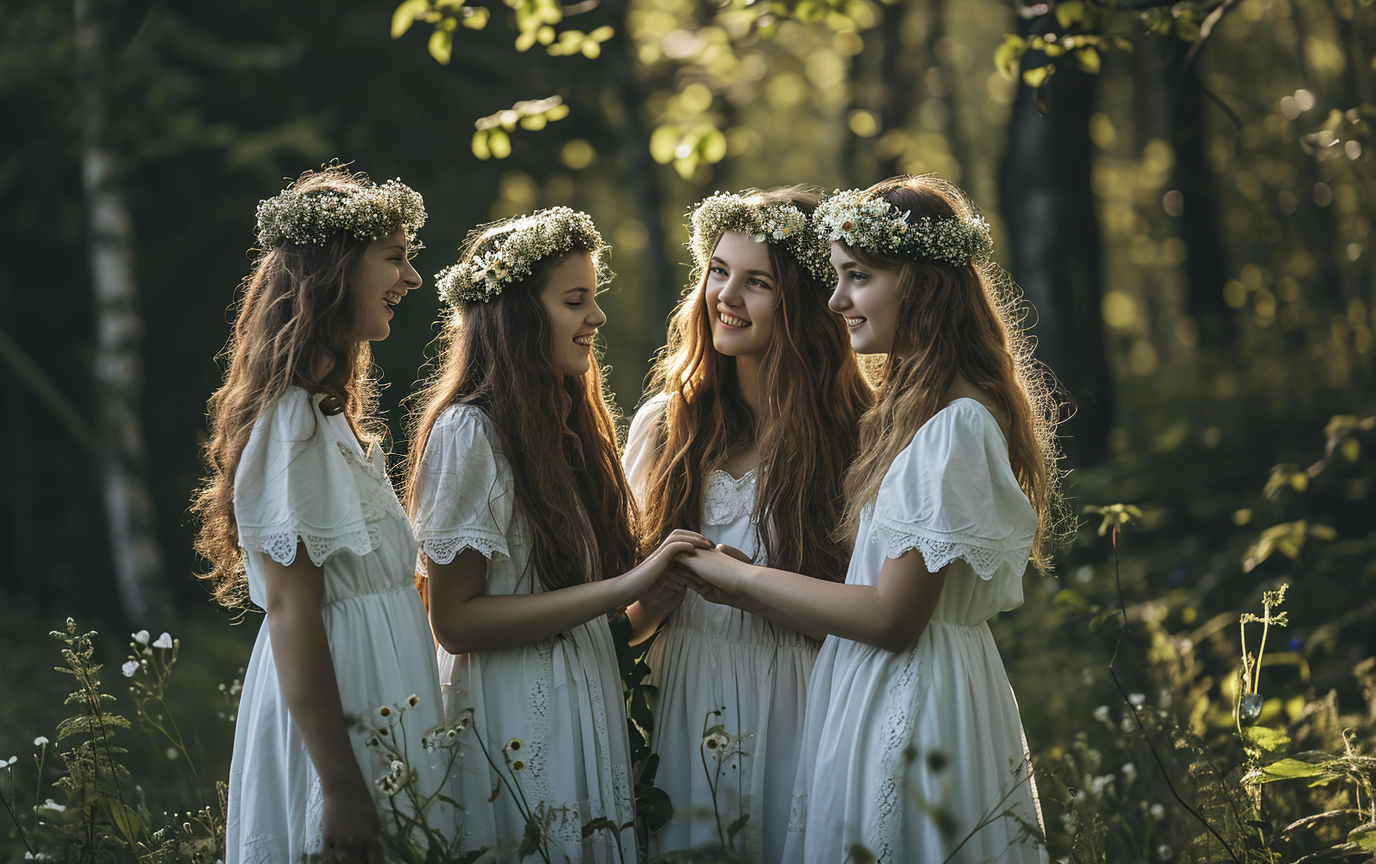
<point>1088,59</point>
<point>1266,738</point>
<point>1068,12</point>
<point>1008,55</point>
<point>531,841</point>
<point>475,17</point>
<point>441,46</point>
<point>405,16</point>
<point>1290,769</point>
<point>860,855</point>
<point>1364,836</point>
<point>600,824</point>
<point>479,145</point>
<point>735,827</point>
<point>499,143</point>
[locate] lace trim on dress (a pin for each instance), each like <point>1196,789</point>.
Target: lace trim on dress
<point>727,498</point>
<point>279,543</point>
<point>442,550</point>
<point>938,550</point>
<point>894,739</point>
<point>797,814</point>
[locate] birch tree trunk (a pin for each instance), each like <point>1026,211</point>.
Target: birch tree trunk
<point>138,559</point>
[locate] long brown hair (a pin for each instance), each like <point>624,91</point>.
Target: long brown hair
<point>955,320</point>
<point>557,431</point>
<point>813,392</point>
<point>297,326</point>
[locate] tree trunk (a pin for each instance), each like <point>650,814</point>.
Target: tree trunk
<point>1206,256</point>
<point>1055,251</point>
<point>138,559</point>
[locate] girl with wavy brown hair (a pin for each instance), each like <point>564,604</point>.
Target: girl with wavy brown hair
<point>913,748</point>
<point>747,439</point>
<point>298,517</point>
<point>526,525</point>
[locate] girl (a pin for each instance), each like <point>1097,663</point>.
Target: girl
<point>524,517</point>
<point>912,744</point>
<point>299,517</point>
<point>747,439</point>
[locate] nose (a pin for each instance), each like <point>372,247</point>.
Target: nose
<point>409,277</point>
<point>731,291</point>
<point>596,317</point>
<point>840,298</point>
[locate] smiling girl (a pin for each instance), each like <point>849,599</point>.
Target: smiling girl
<point>298,517</point>
<point>913,747</point>
<point>747,439</point>
<point>525,521</point>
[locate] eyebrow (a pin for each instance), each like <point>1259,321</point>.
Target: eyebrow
<point>848,265</point>
<point>400,246</point>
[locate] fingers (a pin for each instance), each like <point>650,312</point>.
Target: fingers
<point>680,535</point>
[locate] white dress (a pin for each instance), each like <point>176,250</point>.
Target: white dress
<point>891,736</point>
<point>303,478</point>
<point>710,657</point>
<point>560,698</point>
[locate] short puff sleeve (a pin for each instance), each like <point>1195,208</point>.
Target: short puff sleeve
<point>463,493</point>
<point>642,443</point>
<point>951,493</point>
<point>293,483</point>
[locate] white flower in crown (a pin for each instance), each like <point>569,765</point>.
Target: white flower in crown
<point>518,245</point>
<point>368,212</point>
<point>874,224</point>
<point>777,223</point>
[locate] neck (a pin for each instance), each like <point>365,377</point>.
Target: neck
<point>748,382</point>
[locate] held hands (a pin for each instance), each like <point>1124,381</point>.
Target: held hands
<point>722,568</point>
<point>656,582</point>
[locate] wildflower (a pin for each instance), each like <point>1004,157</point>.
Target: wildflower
<point>142,637</point>
<point>514,745</point>
<point>413,700</point>
<point>52,805</point>
<point>372,741</point>
<point>1130,771</point>
<point>172,754</point>
<point>1137,699</point>
<point>164,641</point>
<point>129,668</point>
<point>1101,713</point>
<point>40,741</point>
<point>1164,852</point>
<point>385,710</point>
<point>517,765</point>
<point>711,742</point>
<point>1158,811</point>
<point>398,765</point>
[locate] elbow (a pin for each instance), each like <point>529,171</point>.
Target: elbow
<point>897,634</point>
<point>450,637</point>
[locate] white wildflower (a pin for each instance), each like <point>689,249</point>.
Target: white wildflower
<point>40,741</point>
<point>142,637</point>
<point>164,641</point>
<point>1101,713</point>
<point>52,805</point>
<point>129,668</point>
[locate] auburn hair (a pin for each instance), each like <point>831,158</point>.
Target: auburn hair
<point>813,394</point>
<point>557,432</point>
<point>954,320</point>
<point>297,325</point>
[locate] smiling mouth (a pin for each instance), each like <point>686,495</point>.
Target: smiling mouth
<point>391,300</point>
<point>585,340</point>
<point>732,321</point>
<point>855,322</point>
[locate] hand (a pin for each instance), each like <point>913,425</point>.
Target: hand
<point>735,553</point>
<point>653,577</point>
<point>349,827</point>
<point>713,594</point>
<point>666,594</point>
<point>716,567</point>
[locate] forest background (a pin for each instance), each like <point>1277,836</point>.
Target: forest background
<point>1184,192</point>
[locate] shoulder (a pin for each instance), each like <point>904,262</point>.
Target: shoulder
<point>463,437</point>
<point>963,428</point>
<point>294,416</point>
<point>649,415</point>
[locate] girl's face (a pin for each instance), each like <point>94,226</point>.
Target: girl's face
<point>867,297</point>
<point>740,295</point>
<point>383,278</point>
<point>570,301</point>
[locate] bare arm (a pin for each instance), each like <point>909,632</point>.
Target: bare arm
<point>891,616</point>
<point>465,619</point>
<point>306,674</point>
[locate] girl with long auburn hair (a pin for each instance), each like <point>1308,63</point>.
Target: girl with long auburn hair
<point>298,516</point>
<point>526,525</point>
<point>913,747</point>
<point>747,439</point>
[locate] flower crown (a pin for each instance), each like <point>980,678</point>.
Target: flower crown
<point>314,216</point>
<point>856,219</point>
<point>519,245</point>
<point>763,222</point>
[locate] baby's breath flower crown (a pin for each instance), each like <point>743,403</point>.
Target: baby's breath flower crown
<point>313,216</point>
<point>874,224</point>
<point>777,223</point>
<point>521,243</point>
